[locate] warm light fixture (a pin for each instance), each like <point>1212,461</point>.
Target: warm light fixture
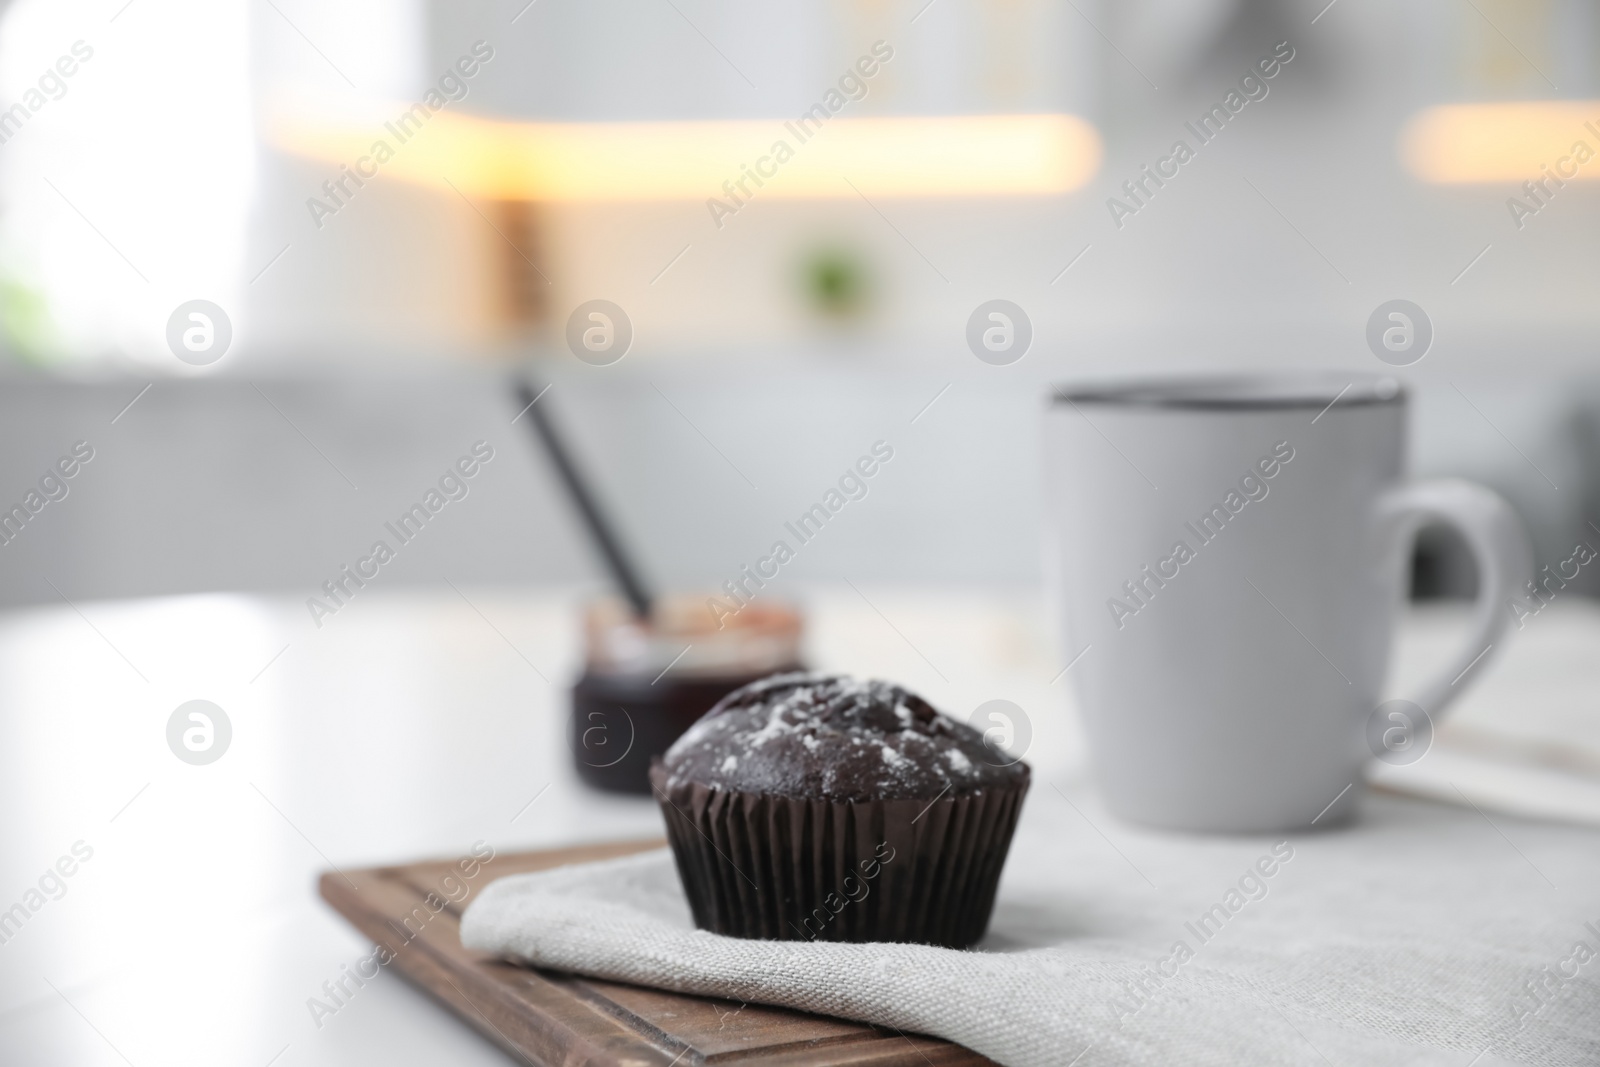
<point>1509,142</point>
<point>967,155</point>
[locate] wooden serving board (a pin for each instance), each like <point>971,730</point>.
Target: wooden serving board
<point>549,1018</point>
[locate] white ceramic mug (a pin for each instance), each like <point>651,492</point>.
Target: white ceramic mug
<point>1229,554</point>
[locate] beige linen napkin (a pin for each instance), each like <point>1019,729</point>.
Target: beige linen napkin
<point>1423,934</point>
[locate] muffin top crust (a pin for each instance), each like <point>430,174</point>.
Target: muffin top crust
<point>834,737</point>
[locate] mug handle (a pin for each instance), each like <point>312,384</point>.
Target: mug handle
<point>1499,546</point>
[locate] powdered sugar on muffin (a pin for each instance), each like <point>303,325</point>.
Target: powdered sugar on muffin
<point>837,737</point>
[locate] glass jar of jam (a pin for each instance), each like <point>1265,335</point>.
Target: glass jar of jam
<point>645,683</point>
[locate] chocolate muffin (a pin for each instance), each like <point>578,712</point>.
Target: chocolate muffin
<point>822,807</point>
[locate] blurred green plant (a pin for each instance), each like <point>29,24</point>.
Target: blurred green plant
<point>26,332</point>
<point>836,283</point>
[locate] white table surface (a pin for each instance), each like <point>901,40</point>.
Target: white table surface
<point>412,725</point>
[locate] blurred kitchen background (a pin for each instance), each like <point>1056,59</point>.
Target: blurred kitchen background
<point>373,337</point>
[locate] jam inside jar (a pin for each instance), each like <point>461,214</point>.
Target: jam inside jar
<point>645,683</point>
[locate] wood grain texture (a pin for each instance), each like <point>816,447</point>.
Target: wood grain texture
<point>547,1018</point>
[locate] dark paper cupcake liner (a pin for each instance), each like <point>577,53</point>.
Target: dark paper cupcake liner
<point>789,869</point>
